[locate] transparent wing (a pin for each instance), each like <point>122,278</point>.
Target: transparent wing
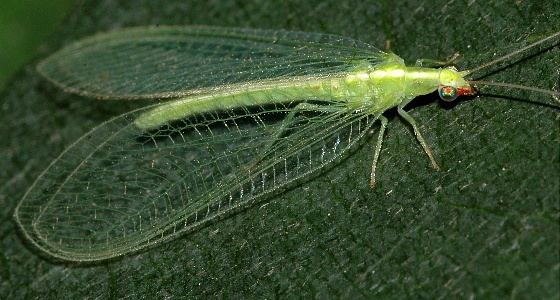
<point>162,62</point>
<point>119,189</point>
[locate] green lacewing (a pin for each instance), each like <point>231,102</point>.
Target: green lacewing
<point>250,112</point>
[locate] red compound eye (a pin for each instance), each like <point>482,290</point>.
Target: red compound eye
<point>447,93</point>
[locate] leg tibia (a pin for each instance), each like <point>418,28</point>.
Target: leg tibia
<point>377,150</point>
<point>419,137</point>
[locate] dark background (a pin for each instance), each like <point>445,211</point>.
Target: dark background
<point>486,226</point>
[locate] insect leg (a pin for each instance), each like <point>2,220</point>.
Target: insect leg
<point>377,150</point>
<point>432,63</point>
<point>419,137</point>
<point>299,108</point>
<point>288,121</point>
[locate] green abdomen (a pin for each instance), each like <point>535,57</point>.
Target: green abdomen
<point>332,89</point>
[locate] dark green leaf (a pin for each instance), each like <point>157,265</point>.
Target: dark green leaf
<point>486,226</point>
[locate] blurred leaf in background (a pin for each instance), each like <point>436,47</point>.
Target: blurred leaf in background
<point>23,25</point>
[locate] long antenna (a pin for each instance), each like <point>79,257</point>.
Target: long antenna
<point>554,94</point>
<point>497,60</point>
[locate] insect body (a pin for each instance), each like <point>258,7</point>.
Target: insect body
<point>372,88</point>
<point>253,112</point>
